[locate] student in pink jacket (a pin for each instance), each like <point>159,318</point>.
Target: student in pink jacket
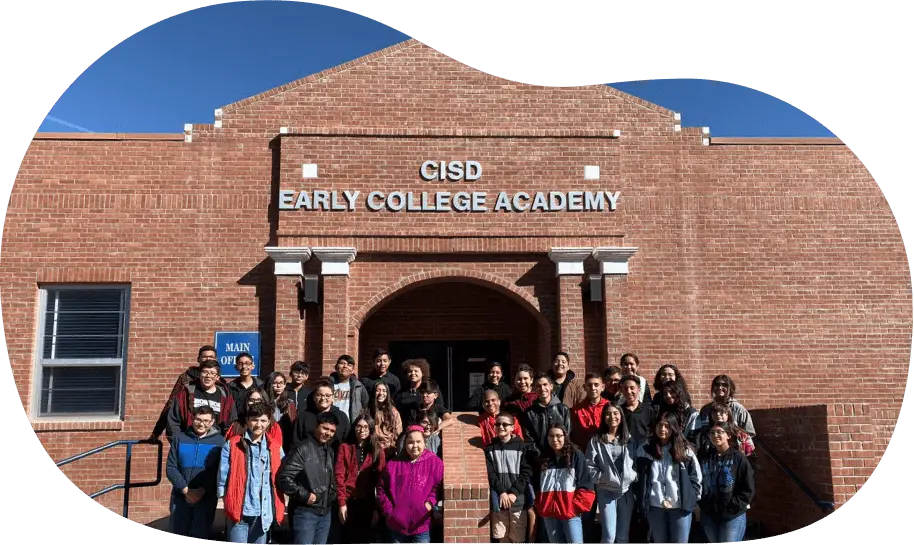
<point>408,489</point>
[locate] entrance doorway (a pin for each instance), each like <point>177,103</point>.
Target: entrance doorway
<point>457,366</point>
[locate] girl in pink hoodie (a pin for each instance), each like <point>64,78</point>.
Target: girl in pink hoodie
<point>408,489</point>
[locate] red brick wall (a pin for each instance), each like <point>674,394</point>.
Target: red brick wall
<point>830,447</point>
<point>450,311</point>
<point>466,484</point>
<point>780,265</point>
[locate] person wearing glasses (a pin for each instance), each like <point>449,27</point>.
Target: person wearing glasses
<point>192,374</point>
<point>244,364</point>
<point>728,487</point>
<point>508,466</point>
<point>723,390</point>
<point>193,468</point>
<point>205,391</point>
<point>320,402</point>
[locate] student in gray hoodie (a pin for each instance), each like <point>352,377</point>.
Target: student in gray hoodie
<point>349,394</point>
<point>610,458</point>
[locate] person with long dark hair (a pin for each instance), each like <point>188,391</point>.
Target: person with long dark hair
<point>720,414</point>
<point>674,400</point>
<point>359,464</point>
<point>669,372</point>
<point>524,394</point>
<point>728,487</point>
<point>284,409</point>
<point>669,482</point>
<point>564,487</point>
<point>611,461</point>
<point>388,423</point>
<point>255,396</point>
<point>494,382</point>
<point>723,390</point>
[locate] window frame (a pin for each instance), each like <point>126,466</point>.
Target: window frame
<point>40,363</point>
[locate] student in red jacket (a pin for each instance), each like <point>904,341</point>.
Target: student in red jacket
<point>247,477</point>
<point>359,464</point>
<point>586,417</point>
<point>524,396</point>
<point>255,396</point>
<point>565,488</point>
<point>491,406</point>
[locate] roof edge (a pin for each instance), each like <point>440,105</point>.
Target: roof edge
<point>319,75</point>
<point>607,87</point>
<point>108,136</point>
<point>412,42</point>
<point>776,141</point>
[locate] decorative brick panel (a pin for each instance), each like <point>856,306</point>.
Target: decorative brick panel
<point>466,484</point>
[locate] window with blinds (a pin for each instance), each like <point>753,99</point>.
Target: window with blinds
<point>83,348</point>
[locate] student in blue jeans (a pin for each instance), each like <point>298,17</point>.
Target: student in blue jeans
<point>247,472</point>
<point>728,487</point>
<point>307,477</point>
<point>610,459</point>
<point>192,469</point>
<point>669,482</point>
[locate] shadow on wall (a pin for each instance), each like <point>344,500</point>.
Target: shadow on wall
<point>799,436</point>
<point>472,420</point>
<point>262,278</point>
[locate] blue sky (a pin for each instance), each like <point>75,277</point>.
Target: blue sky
<point>179,70</point>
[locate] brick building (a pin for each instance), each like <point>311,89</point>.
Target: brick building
<point>581,219</point>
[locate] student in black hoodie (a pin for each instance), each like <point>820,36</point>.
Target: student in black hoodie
<point>296,389</point>
<point>244,364</point>
<point>546,411</point>
<point>190,376</point>
<point>728,486</point>
<point>320,402</point>
<point>307,477</point>
<point>494,381</point>
<point>508,465</point>
<point>639,416</point>
<point>381,372</point>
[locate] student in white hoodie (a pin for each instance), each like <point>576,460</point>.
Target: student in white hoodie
<point>669,482</point>
<point>611,461</point>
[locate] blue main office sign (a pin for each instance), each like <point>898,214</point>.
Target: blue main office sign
<point>231,343</point>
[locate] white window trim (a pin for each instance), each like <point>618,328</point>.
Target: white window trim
<point>38,368</point>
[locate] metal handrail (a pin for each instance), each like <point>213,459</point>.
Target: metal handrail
<point>825,506</point>
<point>127,485</point>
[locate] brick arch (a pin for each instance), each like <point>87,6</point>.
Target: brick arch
<point>412,282</point>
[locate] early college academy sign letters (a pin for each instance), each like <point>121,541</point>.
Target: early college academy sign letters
<point>450,201</point>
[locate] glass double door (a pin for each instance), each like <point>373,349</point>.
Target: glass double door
<point>457,366</point>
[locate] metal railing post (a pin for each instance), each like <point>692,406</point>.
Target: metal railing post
<point>127,465</point>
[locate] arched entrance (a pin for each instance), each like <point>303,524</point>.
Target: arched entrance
<point>457,324</point>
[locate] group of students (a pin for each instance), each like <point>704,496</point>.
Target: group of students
<point>357,460</point>
<point>348,459</point>
<point>562,450</point>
